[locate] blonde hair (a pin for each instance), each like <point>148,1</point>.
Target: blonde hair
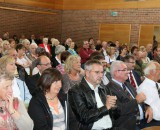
<point>142,48</point>
<point>53,41</point>
<point>4,61</point>
<point>3,43</point>
<point>69,63</point>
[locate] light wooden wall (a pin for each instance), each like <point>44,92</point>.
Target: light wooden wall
<point>108,4</point>
<point>53,4</point>
<point>113,32</point>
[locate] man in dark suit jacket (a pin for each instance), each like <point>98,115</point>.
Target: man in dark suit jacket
<point>42,63</point>
<point>128,101</point>
<point>129,60</point>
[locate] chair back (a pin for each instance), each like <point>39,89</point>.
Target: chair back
<point>152,128</point>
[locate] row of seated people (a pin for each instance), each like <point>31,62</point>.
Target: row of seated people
<point>72,68</point>
<point>92,105</point>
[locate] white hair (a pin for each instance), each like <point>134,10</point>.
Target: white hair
<point>33,44</point>
<point>115,66</point>
<point>150,66</point>
<point>59,49</point>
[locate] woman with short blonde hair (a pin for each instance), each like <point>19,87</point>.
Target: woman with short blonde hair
<point>72,74</point>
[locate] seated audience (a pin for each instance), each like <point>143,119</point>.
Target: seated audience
<point>91,102</point>
<point>45,45</point>
<point>149,51</point>
<point>55,43</point>
<point>5,46</point>
<point>49,109</point>
<point>26,43</point>
<point>133,77</point>
<point>42,63</point>
<point>12,43</point>
<point>111,54</point>
<point>129,108</point>
<point>22,59</point>
<point>57,59</point>
<point>85,52</point>
<point>106,75</point>
<point>157,58</point>
<point>21,73</point>
<point>122,52</point>
<point>151,88</point>
<point>20,90</point>
<point>72,74</point>
<point>64,56</point>
<point>71,49</point>
<point>32,52</point>
<point>13,114</point>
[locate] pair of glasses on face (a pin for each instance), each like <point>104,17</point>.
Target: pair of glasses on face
<point>124,70</point>
<point>97,72</point>
<point>47,64</point>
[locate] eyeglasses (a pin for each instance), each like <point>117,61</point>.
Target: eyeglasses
<point>47,64</point>
<point>98,72</point>
<point>123,70</point>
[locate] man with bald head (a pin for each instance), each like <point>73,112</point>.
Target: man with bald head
<point>129,109</point>
<point>42,63</point>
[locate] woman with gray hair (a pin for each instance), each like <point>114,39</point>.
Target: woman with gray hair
<point>32,52</point>
<point>57,59</point>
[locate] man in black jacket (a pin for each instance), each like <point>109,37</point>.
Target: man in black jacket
<point>42,63</point>
<point>92,102</point>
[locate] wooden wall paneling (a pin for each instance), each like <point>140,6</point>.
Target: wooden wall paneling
<point>149,4</point>
<point>146,35</point>
<point>110,4</point>
<point>122,33</point>
<point>77,4</point>
<point>1,0</point>
<point>106,32</point>
<point>113,32</point>
<point>39,3</point>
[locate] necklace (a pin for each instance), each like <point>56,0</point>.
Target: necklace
<point>50,98</point>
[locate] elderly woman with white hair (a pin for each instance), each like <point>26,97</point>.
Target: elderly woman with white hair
<point>26,44</point>
<point>55,43</point>
<point>32,52</point>
<point>57,59</point>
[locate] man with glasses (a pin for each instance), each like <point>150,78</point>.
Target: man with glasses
<point>129,109</point>
<point>42,63</point>
<point>91,102</point>
<point>151,88</point>
<point>133,77</point>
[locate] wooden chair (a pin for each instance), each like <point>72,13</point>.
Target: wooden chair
<point>152,128</point>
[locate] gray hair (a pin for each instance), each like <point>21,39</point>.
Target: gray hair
<point>33,44</point>
<point>115,66</point>
<point>89,63</point>
<point>150,66</point>
<point>59,49</point>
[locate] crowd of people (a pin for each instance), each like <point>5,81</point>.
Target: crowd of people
<point>48,85</point>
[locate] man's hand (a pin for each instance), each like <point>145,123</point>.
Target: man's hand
<point>149,114</point>
<point>140,97</point>
<point>111,101</point>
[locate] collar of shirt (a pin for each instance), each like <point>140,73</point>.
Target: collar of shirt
<point>57,59</point>
<point>117,82</point>
<point>92,87</point>
<point>151,82</point>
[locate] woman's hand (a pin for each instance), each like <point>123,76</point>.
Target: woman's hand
<point>9,104</point>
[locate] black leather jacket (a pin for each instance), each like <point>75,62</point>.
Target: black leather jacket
<point>84,105</point>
